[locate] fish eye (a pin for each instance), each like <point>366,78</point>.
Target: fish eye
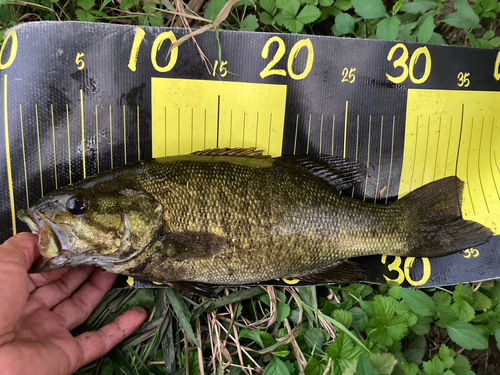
<point>77,205</point>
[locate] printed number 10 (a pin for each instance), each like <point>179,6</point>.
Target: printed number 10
<point>134,52</point>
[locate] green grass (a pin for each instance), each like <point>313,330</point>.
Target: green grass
<point>352,329</point>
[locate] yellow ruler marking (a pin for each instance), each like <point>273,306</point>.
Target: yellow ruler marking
<point>97,136</point>
<point>469,122</point>
<point>202,114</point>
<point>379,157</point>
<point>124,136</point>
<point>138,137</point>
<point>357,144</point>
<point>39,152</point>
<point>296,131</point>
<point>111,135</point>
<point>345,128</point>
<point>83,134</point>
<point>7,154</point>
<point>392,157</point>
<point>368,157</point>
<point>24,157</point>
<point>54,142</point>
<point>69,144</point>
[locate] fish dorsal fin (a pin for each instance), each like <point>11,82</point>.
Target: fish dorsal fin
<point>341,272</point>
<point>338,172</point>
<point>249,152</point>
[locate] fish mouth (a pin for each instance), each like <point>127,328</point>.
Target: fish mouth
<point>48,243</point>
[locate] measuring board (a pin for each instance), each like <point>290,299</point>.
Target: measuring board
<point>81,98</point>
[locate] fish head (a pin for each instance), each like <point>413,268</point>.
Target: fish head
<point>78,226</point>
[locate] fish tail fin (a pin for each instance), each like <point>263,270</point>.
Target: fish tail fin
<point>436,222</point>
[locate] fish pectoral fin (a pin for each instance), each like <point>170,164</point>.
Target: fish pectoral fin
<point>191,245</point>
<point>200,289</point>
<point>344,271</point>
<point>338,172</point>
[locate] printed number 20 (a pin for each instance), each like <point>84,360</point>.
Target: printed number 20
<point>405,274</point>
<point>268,70</point>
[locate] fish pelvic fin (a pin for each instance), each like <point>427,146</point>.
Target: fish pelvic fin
<point>437,227</point>
<point>341,272</point>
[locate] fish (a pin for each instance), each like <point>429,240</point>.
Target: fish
<point>234,216</point>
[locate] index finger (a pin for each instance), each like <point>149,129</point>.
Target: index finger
<point>16,256</point>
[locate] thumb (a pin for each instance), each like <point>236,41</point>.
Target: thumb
<point>16,256</point>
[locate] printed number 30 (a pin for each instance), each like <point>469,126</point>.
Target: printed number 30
<point>405,274</point>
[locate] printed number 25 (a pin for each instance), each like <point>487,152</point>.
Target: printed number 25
<point>405,274</point>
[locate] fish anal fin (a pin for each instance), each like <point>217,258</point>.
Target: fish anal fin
<point>338,172</point>
<point>249,152</point>
<point>341,272</point>
<point>200,289</point>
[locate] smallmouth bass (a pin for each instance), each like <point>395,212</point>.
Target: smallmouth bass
<point>233,216</point>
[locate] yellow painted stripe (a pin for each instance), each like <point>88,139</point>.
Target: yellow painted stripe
<point>7,153</point>
<point>320,134</point>
<point>368,157</point>
<point>111,135</point>
<point>83,135</point>
<point>39,151</point>
<point>379,156</point>
<point>69,145</point>
<point>97,136</point>
<point>138,137</point>
<point>124,135</point>
<point>24,158</point>
<point>54,142</point>
<point>345,127</point>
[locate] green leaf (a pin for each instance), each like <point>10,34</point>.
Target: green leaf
<point>446,356</point>
<point>326,3</point>
<point>410,368</point>
<point>386,331</point>
<point>436,39</point>
<point>397,7</point>
<point>282,312</point>
<point>308,14</point>
<point>276,367</point>
<point>344,23</point>
<point>86,4</point>
<point>370,9</point>
<point>343,4</point>
<point>481,302</point>
<point>267,339</point>
<point>423,326</point>
<point>466,335</point>
<point>384,306</point>
<point>446,314</point>
<point>181,312</point>
<point>127,4</point>
<point>265,18</point>
<point>314,338</point>
<point>425,30</point>
<point>497,338</point>
<point>252,334</point>
<point>383,362</point>
<point>464,311</point>
<point>291,9</point>
<point>214,8</point>
<point>419,6</point>
<point>282,3</point>
<point>314,367</point>
<point>84,16</point>
<point>360,320</point>
<point>434,367</point>
<point>343,317</point>
<point>368,308</point>
<point>418,302</point>
<point>441,298</point>
<point>269,6</point>
<point>250,23</point>
<point>364,367</point>
<point>403,310</point>
<point>388,28</point>
<point>416,351</point>
<point>461,366</point>
<point>465,10</point>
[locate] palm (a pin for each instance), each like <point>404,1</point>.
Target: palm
<point>39,311</point>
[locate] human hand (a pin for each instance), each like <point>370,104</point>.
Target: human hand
<point>37,313</point>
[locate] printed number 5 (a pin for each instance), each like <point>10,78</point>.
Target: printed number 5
<point>402,275</point>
